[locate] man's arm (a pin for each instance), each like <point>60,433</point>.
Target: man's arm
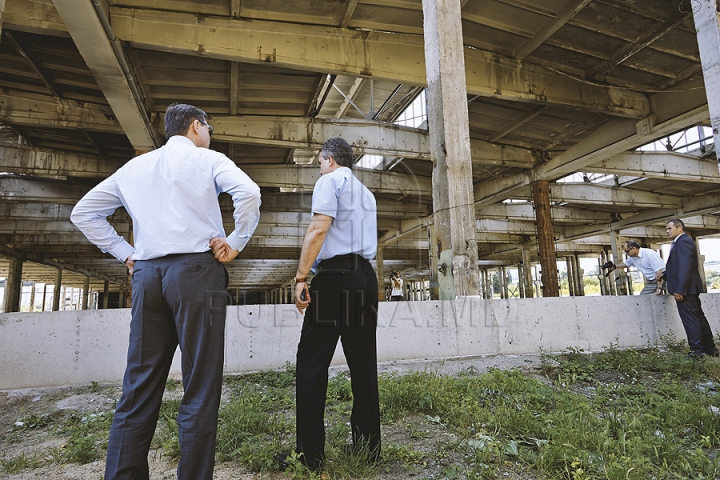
<point>90,217</point>
<point>246,199</point>
<point>312,244</point>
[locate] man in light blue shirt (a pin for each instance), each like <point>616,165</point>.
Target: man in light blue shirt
<point>649,263</point>
<point>179,286</point>
<point>341,304</point>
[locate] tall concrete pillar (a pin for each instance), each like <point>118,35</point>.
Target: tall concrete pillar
<point>708,36</point>
<point>570,276</point>
<point>13,285</point>
<point>433,263</point>
<point>2,9</point>
<point>106,294</point>
<point>44,297</point>
<point>453,196</point>
<point>619,275</point>
<point>56,290</point>
<point>379,259</point>
<point>546,238</point>
<point>86,295</point>
<point>579,284</point>
<point>527,272</point>
<point>32,298</point>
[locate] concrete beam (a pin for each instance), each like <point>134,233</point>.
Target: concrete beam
<point>36,16</point>
<point>16,158</point>
<point>384,56</point>
<point>91,32</point>
<point>23,189</point>
<point>366,137</point>
<point>29,109</point>
<point>673,111</point>
<point>662,165</point>
<point>527,212</point>
<point>304,177</point>
<point>594,194</point>
<point>566,14</point>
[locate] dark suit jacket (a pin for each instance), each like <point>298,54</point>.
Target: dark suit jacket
<point>682,268</point>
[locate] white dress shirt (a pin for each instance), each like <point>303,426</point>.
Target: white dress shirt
<point>648,261</point>
<point>340,195</point>
<point>171,194</point>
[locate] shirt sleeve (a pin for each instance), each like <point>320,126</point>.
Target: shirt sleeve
<point>629,261</point>
<point>246,200</point>
<point>324,199</point>
<point>656,262</point>
<point>90,217</point>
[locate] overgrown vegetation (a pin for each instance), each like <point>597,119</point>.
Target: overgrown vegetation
<point>617,414</point>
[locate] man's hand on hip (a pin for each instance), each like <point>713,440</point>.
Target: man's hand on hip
<point>678,297</point>
<point>130,264</point>
<point>222,251</point>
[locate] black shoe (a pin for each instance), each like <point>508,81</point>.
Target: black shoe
<point>695,356</point>
<point>282,459</point>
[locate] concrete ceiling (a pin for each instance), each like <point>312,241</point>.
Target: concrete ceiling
<point>554,87</point>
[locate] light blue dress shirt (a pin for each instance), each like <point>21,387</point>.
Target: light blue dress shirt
<point>171,194</point>
<point>340,195</point>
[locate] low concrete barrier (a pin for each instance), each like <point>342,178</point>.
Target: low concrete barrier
<point>66,348</point>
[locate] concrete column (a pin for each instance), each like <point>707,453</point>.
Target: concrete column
<point>580,286</point>
<point>106,294</point>
<point>521,283</point>
<point>13,285</point>
<point>56,290</point>
<point>546,238</point>
<point>570,276</point>
<point>619,274</point>
<point>379,259</point>
<point>86,295</point>
<point>708,36</point>
<point>32,298</point>
<point>527,272</point>
<point>42,309</point>
<point>449,130</point>
<point>2,9</point>
<point>601,277</point>
<point>433,263</point>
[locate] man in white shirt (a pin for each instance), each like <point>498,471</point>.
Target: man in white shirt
<point>341,304</point>
<point>649,263</point>
<point>179,286</point>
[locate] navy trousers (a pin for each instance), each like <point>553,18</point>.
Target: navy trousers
<point>344,300</point>
<point>697,328</point>
<point>177,299</point>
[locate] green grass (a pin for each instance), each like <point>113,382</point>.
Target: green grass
<point>617,414</point>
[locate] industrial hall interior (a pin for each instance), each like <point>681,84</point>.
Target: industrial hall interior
<point>507,142</point>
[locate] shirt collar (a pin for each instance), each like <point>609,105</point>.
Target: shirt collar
<point>675,239</point>
<point>179,140</point>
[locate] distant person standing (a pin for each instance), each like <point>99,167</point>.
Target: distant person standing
<point>396,282</point>
<point>171,194</point>
<point>684,283</point>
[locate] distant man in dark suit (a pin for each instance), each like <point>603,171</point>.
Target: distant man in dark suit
<point>685,284</point>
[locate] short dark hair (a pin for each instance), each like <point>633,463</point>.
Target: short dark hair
<point>179,117</point>
<point>677,222</point>
<point>340,150</point>
<point>632,244</point>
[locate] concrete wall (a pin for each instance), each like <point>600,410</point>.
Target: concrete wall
<point>64,348</point>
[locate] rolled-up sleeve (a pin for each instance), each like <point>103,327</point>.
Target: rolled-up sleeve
<point>246,200</point>
<point>90,217</point>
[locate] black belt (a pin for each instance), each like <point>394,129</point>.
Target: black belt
<point>349,262</point>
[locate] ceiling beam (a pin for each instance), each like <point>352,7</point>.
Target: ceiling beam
<point>569,11</point>
<point>673,111</point>
<point>37,16</point>
<point>16,158</point>
<point>517,123</point>
<point>30,63</point>
<point>91,32</point>
<point>35,110</point>
<point>662,165</point>
<point>347,16</point>
<point>384,56</point>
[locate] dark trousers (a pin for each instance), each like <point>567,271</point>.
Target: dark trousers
<point>344,300</point>
<point>177,299</point>
<point>696,326</point>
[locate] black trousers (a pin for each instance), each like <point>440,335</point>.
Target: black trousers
<point>344,300</point>
<point>177,299</point>
<point>697,328</point>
